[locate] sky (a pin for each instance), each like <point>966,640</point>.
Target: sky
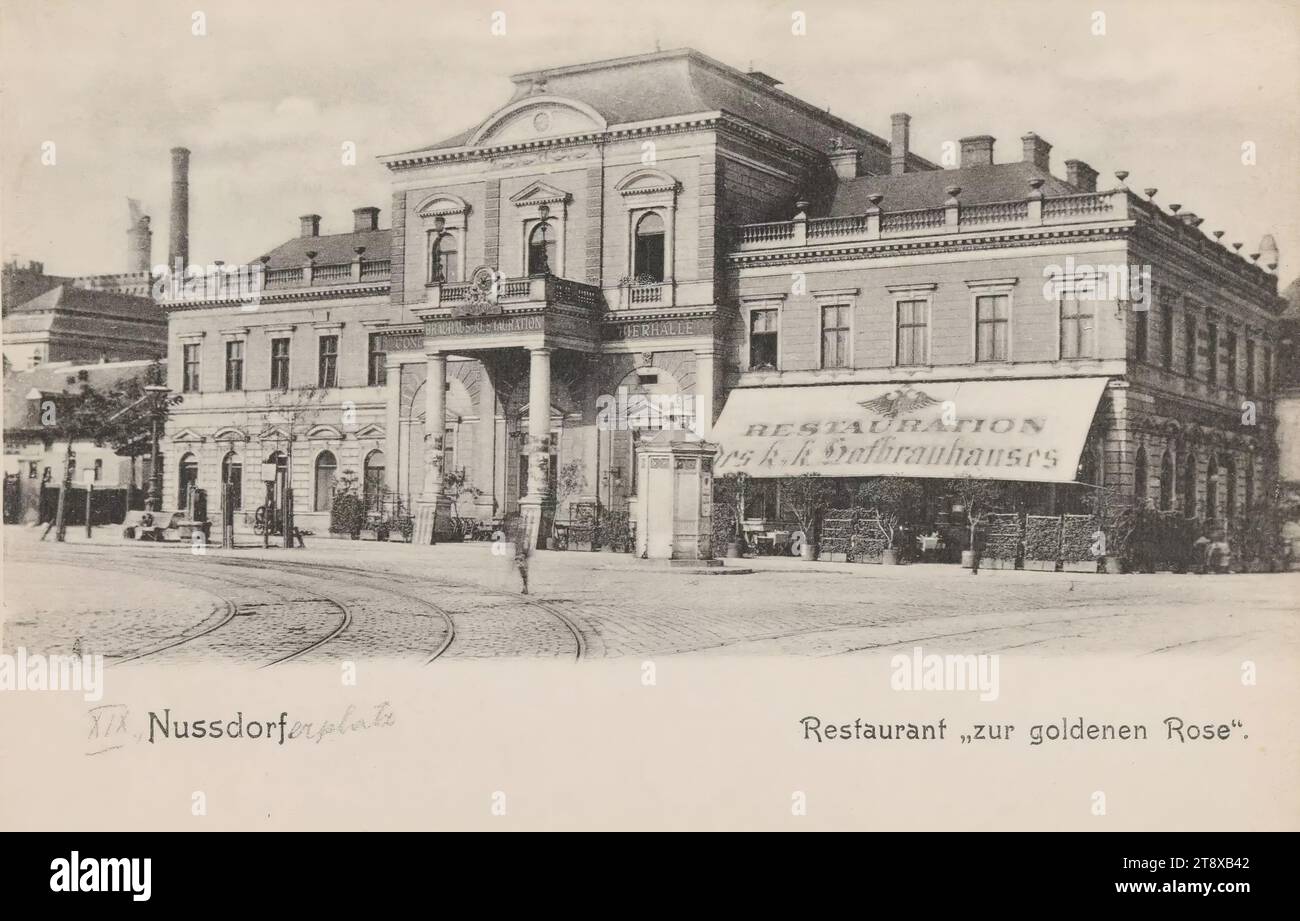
<point>267,95</point>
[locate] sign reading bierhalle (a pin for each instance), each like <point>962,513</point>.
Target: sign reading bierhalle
<point>1002,430</point>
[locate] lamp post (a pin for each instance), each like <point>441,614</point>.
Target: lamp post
<point>158,396</point>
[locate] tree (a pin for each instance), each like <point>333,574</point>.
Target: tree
<point>74,417</point>
<point>978,498</point>
<point>805,496</point>
<point>895,500</point>
<point>730,492</point>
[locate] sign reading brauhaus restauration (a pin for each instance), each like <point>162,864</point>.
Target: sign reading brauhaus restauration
<point>1003,430</point>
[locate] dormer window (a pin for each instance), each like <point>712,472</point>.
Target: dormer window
<point>541,249</point>
<point>649,257</point>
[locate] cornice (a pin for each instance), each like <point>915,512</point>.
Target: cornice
<point>281,297</point>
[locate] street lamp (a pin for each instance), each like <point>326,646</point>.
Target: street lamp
<point>158,399</point>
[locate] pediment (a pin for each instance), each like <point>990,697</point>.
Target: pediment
<point>647,181</point>
<point>371,431</point>
<point>230,434</point>
<point>188,436</point>
<point>534,117</point>
<point>539,193</point>
<point>442,205</point>
<point>325,433</point>
<point>273,433</point>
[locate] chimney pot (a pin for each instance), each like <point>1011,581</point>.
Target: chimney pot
<point>364,219</point>
<point>310,224</point>
<point>1084,177</point>
<point>1037,151</point>
<point>844,160</point>
<point>899,141</point>
<point>977,151</point>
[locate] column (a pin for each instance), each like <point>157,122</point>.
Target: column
<point>392,427</point>
<point>433,509</point>
<point>704,389</point>
<point>539,438</point>
<point>486,506</point>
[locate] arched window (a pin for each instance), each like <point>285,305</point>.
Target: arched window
<point>326,467</point>
<point>189,476</point>
<point>1167,482</point>
<point>1188,486</point>
<point>443,265</point>
<point>541,249</point>
<point>1140,477</point>
<point>232,472</point>
<point>1230,488</point>
<point>648,261</point>
<point>373,480</point>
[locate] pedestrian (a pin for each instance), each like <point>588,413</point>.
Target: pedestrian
<point>1201,552</point>
<point>517,531</point>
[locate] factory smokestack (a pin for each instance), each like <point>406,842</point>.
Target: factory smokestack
<point>139,240</point>
<point>178,247</point>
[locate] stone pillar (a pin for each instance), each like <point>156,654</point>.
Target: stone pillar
<point>704,392</point>
<point>392,427</point>
<point>486,506</point>
<point>535,504</point>
<point>433,508</point>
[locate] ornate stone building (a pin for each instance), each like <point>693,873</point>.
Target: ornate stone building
<point>614,250</point>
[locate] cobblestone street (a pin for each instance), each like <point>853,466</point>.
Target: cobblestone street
<point>340,600</point>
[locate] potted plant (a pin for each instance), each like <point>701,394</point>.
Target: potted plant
<point>975,498</point>
<point>893,502</point>
<point>347,509</point>
<point>805,496</point>
<point>729,492</point>
<point>571,480</point>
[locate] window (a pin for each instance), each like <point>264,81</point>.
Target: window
<point>1266,372</point>
<point>1189,346</point>
<point>232,473</point>
<point>1076,328</point>
<point>835,336</point>
<point>991,314</point>
<point>913,346</point>
<point>1140,331</point>
<point>377,375</point>
<point>31,470</point>
<point>190,380</point>
<point>189,476</point>
<point>279,364</point>
<point>329,362</point>
<point>1212,352</point>
<point>448,451</point>
<point>1167,336</point>
<point>1230,363</point>
<point>443,265</point>
<point>541,249</point>
<point>99,469</point>
<point>326,467</point>
<point>762,340</point>
<point>1189,486</point>
<point>1230,482</point>
<point>372,483</point>
<point>1167,482</point>
<point>235,365</point>
<point>1140,477</point>
<point>1250,368</point>
<point>1212,487</point>
<point>1250,483</point>
<point>648,261</point>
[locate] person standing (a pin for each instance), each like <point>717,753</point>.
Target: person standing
<point>517,531</point>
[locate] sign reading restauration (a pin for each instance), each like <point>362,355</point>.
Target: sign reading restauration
<point>1001,430</point>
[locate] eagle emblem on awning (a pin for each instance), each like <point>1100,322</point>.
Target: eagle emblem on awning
<point>892,403</point>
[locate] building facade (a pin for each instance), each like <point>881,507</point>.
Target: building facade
<point>665,240</point>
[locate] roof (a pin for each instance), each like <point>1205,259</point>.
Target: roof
<point>331,248</point>
<point>979,185</point>
<point>684,82</point>
<point>68,298</point>
<point>1292,297</point>
<point>54,378</point>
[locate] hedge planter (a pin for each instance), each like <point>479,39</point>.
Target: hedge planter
<point>889,557</point>
<point>809,552</point>
<point>967,559</point>
<point>1080,566</point>
<point>1112,566</point>
<point>733,550</point>
<point>1040,565</point>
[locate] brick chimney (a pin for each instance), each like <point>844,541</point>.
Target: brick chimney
<point>899,139</point>
<point>310,224</point>
<point>364,219</point>
<point>977,151</point>
<point>1081,175</point>
<point>178,233</point>
<point>1037,151</point>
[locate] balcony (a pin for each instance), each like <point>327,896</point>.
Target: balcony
<point>477,298</point>
<point>324,275</point>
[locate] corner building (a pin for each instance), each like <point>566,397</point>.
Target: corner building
<point>667,226</point>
